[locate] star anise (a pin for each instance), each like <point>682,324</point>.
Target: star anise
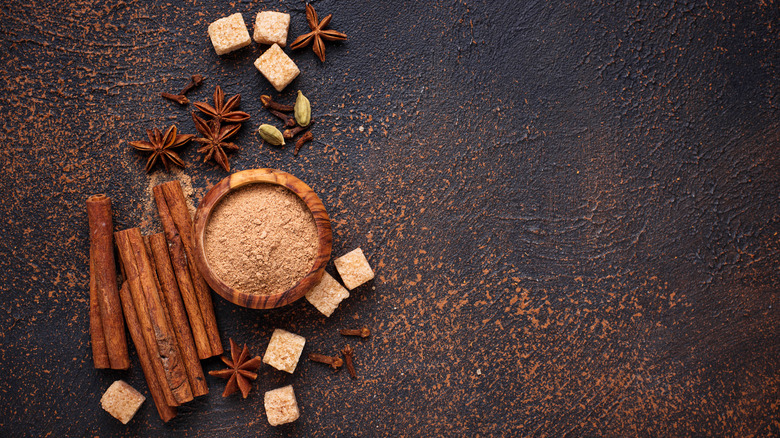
<point>317,34</point>
<point>241,370</point>
<point>213,140</point>
<point>223,111</point>
<point>160,146</point>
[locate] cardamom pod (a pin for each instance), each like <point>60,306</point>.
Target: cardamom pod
<point>302,110</point>
<point>271,135</point>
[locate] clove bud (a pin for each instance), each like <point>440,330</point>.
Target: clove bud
<point>307,136</point>
<point>178,98</point>
<point>195,81</point>
<point>289,121</point>
<point>347,352</point>
<point>292,132</point>
<point>270,104</point>
<point>363,332</point>
<point>334,362</point>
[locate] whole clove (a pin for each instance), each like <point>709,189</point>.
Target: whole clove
<point>292,132</point>
<point>363,332</point>
<point>334,362</point>
<point>347,353</point>
<point>307,136</point>
<point>178,98</point>
<point>270,104</point>
<point>181,99</point>
<point>289,121</point>
<point>195,81</point>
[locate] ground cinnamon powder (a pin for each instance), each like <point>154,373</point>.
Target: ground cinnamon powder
<point>261,239</point>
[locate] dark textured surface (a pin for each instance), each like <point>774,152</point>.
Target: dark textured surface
<point>572,210</point>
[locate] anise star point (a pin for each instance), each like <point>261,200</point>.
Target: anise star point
<point>160,145</point>
<point>223,111</point>
<point>318,34</point>
<point>213,140</point>
<point>240,370</point>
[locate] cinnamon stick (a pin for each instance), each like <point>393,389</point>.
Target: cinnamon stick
<point>178,221</point>
<point>99,349</point>
<point>178,315</point>
<point>103,280</point>
<point>177,206</point>
<point>182,271</point>
<point>134,327</point>
<point>133,281</point>
<point>157,330</point>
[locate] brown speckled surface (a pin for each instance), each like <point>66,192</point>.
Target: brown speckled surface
<point>572,210</point>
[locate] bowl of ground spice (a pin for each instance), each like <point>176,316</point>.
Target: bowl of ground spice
<point>262,238</point>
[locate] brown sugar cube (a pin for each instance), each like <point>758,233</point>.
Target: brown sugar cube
<point>277,67</point>
<point>271,28</point>
<point>327,295</point>
<point>229,33</point>
<point>281,406</point>
<point>353,268</point>
<point>121,401</point>
<point>284,350</point>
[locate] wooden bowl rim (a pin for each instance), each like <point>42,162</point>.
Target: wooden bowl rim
<point>271,176</point>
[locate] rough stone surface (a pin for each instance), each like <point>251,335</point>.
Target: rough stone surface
<point>579,199</point>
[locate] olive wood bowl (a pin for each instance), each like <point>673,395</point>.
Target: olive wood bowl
<point>321,220</point>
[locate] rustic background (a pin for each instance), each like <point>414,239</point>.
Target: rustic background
<point>571,207</point>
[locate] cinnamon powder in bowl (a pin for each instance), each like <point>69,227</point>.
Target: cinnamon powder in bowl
<point>262,238</point>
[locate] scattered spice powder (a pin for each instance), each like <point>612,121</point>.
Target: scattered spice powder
<point>261,239</point>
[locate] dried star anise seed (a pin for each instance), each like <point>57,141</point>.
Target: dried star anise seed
<point>160,146</point>
<point>317,34</point>
<point>241,370</point>
<point>213,140</point>
<point>223,111</point>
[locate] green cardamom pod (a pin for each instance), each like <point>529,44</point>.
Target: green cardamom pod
<point>302,110</point>
<point>271,135</point>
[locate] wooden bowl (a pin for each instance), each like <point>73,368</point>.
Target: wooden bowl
<point>321,220</point>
